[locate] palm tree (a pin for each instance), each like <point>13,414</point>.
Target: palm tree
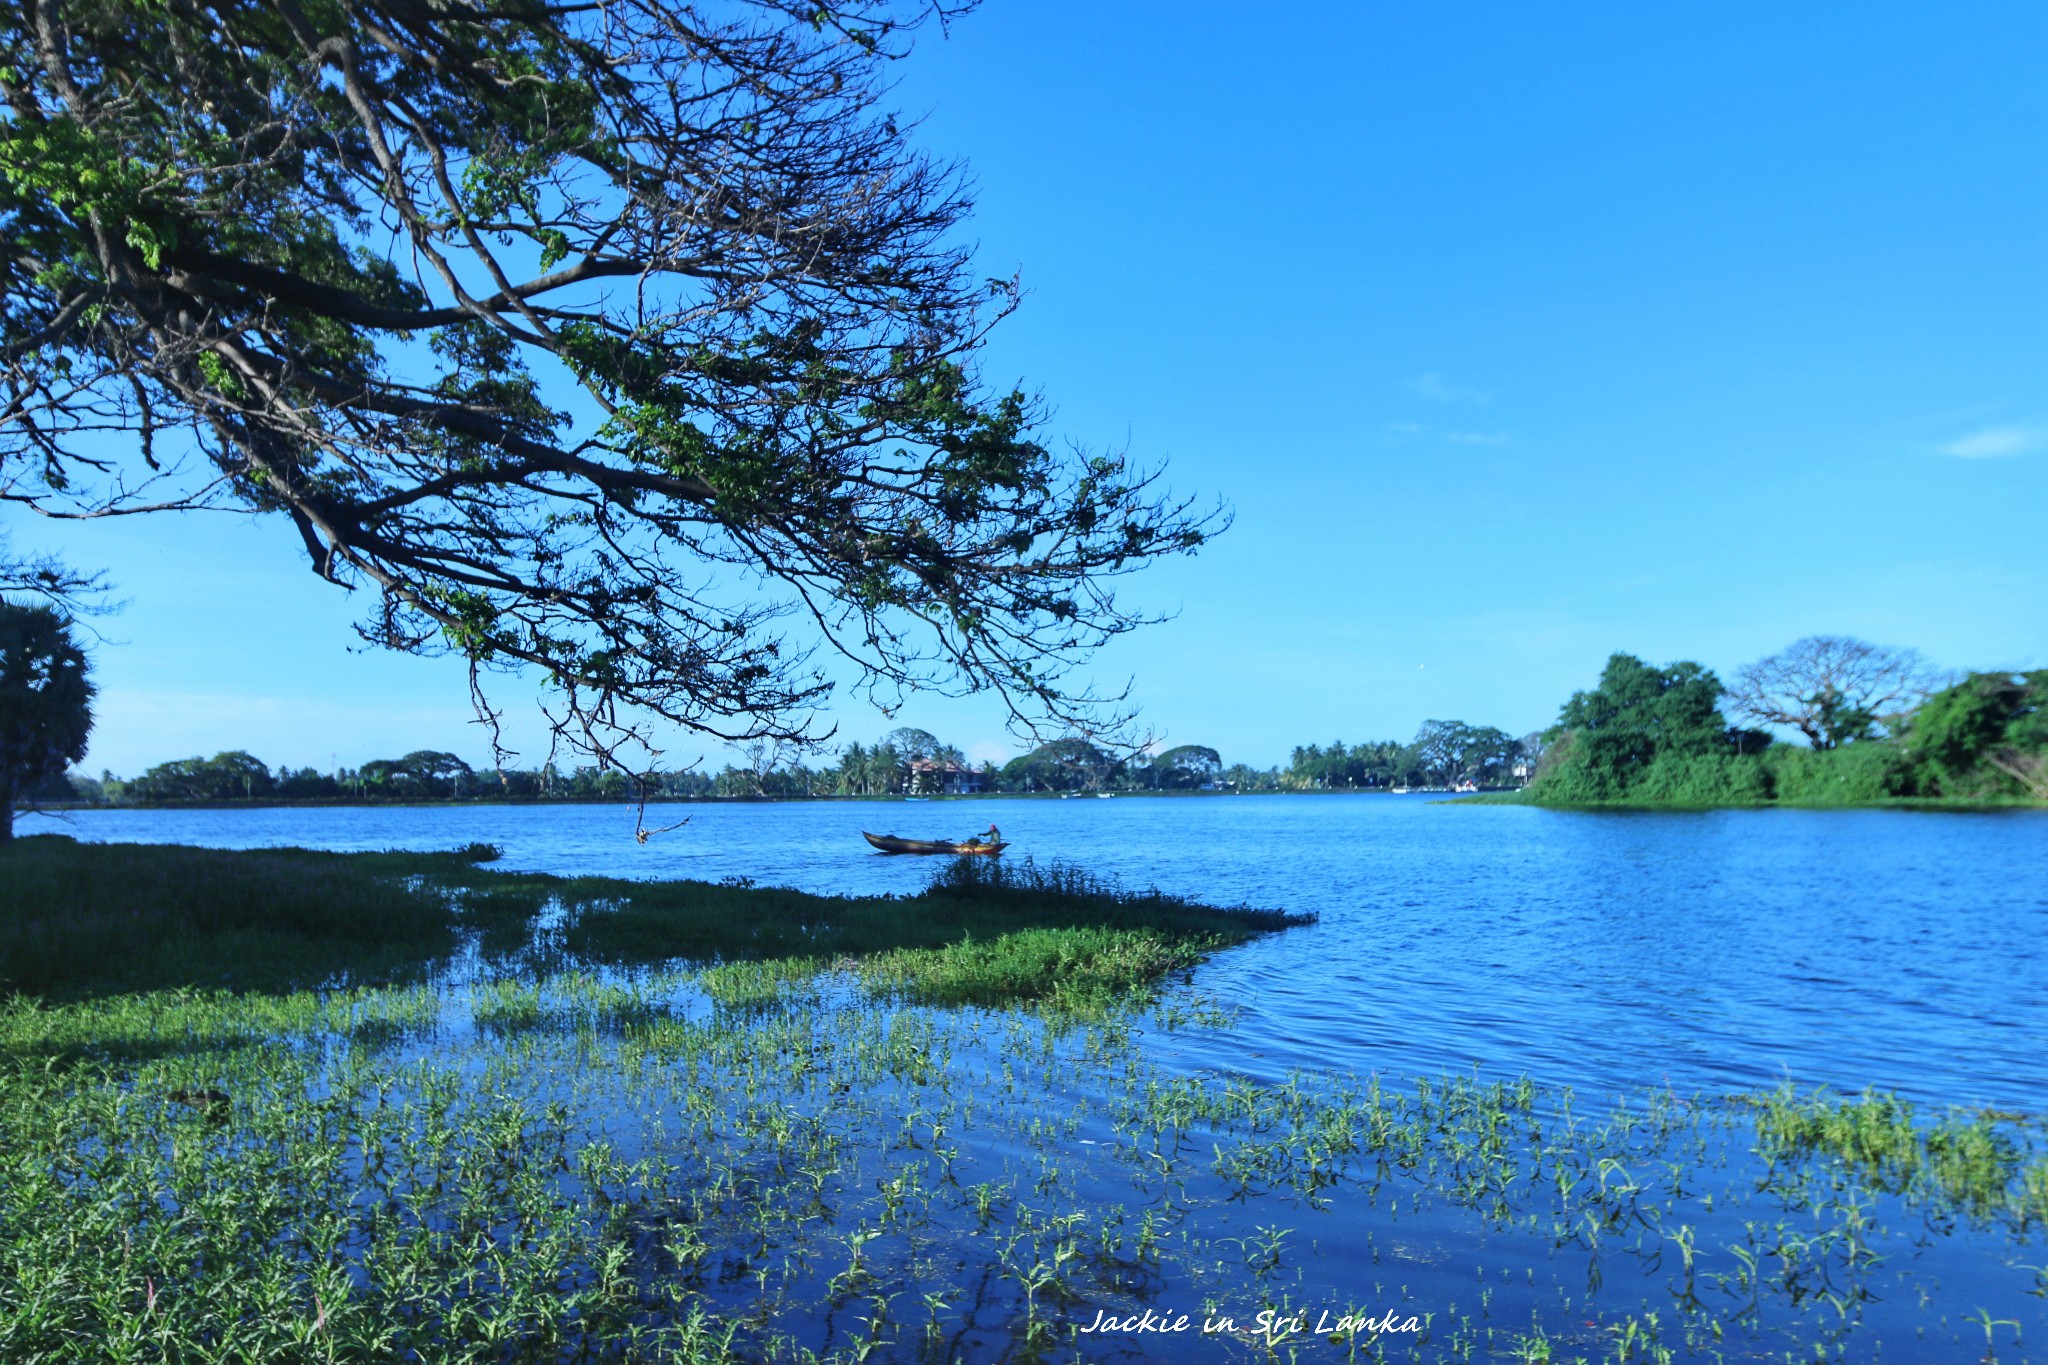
<point>852,769</point>
<point>885,769</point>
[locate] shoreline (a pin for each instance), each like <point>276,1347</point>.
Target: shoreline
<point>1494,797</point>
<point>318,802</point>
<point>1955,804</point>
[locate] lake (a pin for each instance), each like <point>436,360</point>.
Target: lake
<point>1713,951</point>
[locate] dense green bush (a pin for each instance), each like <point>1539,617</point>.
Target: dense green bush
<point>1851,775</point>
<point>1984,737</point>
<point>1649,735</point>
<point>1703,780</point>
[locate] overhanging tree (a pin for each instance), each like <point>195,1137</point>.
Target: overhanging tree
<point>607,340</point>
<point>45,703</point>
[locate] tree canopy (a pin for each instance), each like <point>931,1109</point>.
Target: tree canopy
<point>631,342</point>
<point>912,744</point>
<point>1187,765</point>
<point>1988,720</point>
<point>1063,765</point>
<point>1451,751</point>
<point>423,772</point>
<point>45,703</point>
<point>1607,739</point>
<point>224,777</point>
<point>1832,689</point>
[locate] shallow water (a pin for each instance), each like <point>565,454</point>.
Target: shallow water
<point>1719,950</point>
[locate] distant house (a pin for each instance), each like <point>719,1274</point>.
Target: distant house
<point>928,775</point>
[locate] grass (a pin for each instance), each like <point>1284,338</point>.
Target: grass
<point>970,902</point>
<point>88,919</point>
<point>1973,1165</point>
<point>141,916</point>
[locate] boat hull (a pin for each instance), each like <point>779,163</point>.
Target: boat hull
<point>889,843</point>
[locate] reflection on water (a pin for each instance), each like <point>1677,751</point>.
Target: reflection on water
<point>1715,950</point>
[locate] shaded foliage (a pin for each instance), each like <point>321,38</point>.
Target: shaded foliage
<point>45,703</point>
<point>224,777</point>
<point>1986,734</point>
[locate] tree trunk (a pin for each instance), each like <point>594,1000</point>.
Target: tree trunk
<point>6,813</point>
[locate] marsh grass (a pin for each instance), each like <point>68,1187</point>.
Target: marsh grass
<point>570,1000</point>
<point>983,932</point>
<point>1077,970</point>
<point>131,916</point>
<point>85,919</point>
<point>1974,1166</point>
<point>600,1172</point>
<point>183,1021</point>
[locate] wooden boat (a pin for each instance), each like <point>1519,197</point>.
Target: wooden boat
<point>889,843</point>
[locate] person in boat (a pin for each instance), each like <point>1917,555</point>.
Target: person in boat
<point>991,835</point>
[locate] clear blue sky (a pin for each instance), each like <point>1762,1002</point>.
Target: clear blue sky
<point>1515,335</point>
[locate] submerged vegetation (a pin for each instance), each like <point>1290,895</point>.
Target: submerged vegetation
<point>588,1119</point>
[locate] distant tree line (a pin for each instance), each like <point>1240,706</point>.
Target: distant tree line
<point>1874,724</point>
<point>1445,754</point>
<point>425,774</point>
<point>904,762</point>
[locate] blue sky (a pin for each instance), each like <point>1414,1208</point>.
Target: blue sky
<point>1514,335</point>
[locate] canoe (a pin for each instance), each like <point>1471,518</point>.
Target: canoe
<point>889,843</point>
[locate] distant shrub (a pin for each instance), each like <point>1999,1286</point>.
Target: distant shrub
<point>1566,779</point>
<point>1703,780</point>
<point>1986,737</point>
<point>1854,774</point>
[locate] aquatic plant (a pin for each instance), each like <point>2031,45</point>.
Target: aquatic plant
<point>518,1153</point>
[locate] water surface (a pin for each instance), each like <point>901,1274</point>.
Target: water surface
<point>1719,950</point>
